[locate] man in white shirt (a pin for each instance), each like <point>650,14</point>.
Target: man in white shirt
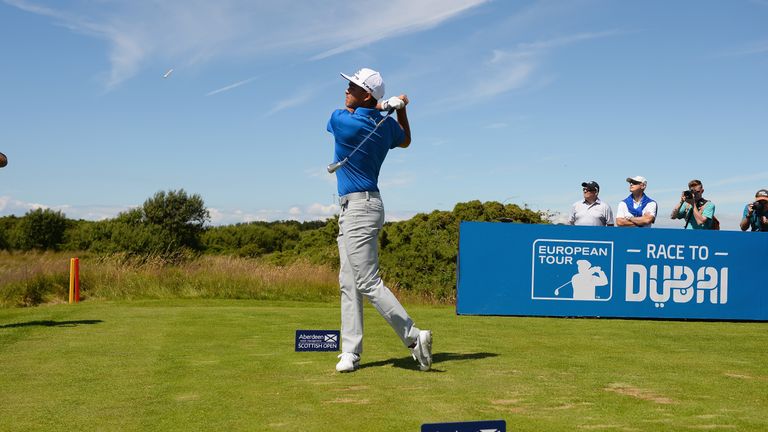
<point>591,210</point>
<point>638,209</point>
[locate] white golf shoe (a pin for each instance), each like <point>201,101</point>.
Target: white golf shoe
<point>349,362</point>
<point>422,352</point>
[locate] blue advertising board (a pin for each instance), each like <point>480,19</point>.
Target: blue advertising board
<point>474,426</point>
<point>556,270</point>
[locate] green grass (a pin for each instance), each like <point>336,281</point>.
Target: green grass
<point>230,365</point>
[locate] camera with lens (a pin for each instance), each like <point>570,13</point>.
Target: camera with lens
<point>760,207</point>
<point>688,194</point>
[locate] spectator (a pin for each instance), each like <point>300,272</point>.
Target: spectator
<point>637,210</point>
<point>591,210</point>
<point>756,213</point>
<point>697,212</point>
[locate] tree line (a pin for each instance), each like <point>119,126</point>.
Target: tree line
<point>418,254</point>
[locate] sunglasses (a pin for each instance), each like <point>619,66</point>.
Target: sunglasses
<point>634,183</point>
<point>589,190</point>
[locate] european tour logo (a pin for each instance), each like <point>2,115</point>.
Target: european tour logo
<point>575,270</point>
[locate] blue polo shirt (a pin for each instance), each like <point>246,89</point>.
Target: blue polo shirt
<point>361,172</point>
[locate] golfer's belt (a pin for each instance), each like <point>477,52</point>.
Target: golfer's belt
<point>358,196</point>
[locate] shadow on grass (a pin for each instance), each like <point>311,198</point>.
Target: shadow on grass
<point>437,358</point>
<point>49,323</point>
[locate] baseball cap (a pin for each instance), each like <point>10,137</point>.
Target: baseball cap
<point>637,179</point>
<point>762,193</point>
<point>591,185</point>
<point>370,80</point>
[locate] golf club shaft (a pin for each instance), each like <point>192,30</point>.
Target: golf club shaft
<point>557,290</point>
<point>336,165</point>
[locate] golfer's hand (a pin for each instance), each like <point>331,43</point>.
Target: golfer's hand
<point>393,103</point>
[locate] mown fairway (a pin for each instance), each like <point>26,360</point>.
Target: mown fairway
<point>230,365</point>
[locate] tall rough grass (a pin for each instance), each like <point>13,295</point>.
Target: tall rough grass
<point>28,279</point>
<point>33,278</point>
<point>207,277</point>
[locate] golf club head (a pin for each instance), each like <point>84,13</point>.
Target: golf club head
<point>336,165</point>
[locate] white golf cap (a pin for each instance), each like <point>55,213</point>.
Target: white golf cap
<point>369,80</point>
<point>638,179</point>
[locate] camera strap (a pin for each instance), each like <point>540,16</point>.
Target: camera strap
<point>688,216</point>
<point>689,213</point>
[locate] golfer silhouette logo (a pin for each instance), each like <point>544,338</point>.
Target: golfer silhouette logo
<point>585,281</point>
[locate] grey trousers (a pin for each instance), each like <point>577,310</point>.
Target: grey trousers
<point>360,222</point>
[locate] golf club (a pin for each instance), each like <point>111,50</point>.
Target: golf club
<point>336,165</point>
<point>557,290</point>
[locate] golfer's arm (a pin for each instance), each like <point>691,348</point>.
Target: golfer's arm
<point>402,118</point>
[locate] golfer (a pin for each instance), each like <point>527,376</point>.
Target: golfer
<point>362,215</point>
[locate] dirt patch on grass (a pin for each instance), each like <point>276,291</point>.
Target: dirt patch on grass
<point>505,401</point>
<point>507,405</point>
<point>567,406</point>
<point>353,388</point>
<point>628,390</point>
<point>187,397</point>
<point>348,401</point>
<point>744,376</point>
<point>509,409</point>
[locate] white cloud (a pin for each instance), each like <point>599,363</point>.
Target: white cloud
<point>325,211</point>
<point>189,32</point>
<point>295,100</point>
<point>747,178</point>
<point>313,211</point>
<point>392,18</point>
<point>11,206</point>
<point>755,48</point>
<point>507,70</point>
<point>399,216</point>
<point>563,41</point>
<point>230,87</point>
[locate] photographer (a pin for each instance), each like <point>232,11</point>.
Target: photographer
<point>697,212</point>
<point>756,213</point>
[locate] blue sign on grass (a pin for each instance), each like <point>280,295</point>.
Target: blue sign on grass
<point>317,340</point>
<point>475,426</point>
<point>547,270</point>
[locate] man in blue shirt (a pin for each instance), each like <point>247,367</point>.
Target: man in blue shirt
<point>362,214</point>
<point>755,216</point>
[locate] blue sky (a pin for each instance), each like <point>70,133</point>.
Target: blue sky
<point>511,101</point>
